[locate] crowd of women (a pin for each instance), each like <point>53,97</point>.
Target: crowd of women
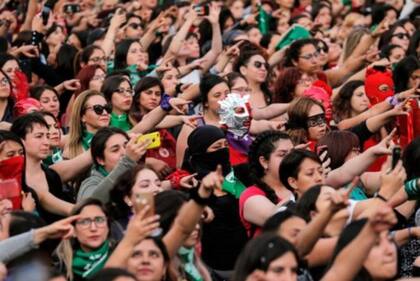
<point>237,140</point>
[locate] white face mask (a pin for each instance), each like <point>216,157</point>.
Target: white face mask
<point>235,114</point>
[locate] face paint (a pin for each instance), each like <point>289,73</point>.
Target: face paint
<point>235,114</point>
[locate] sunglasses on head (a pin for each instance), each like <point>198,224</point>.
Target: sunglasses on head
<point>401,35</point>
<point>99,109</point>
<point>259,64</point>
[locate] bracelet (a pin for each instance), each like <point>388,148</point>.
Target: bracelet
<point>392,100</point>
<point>410,235</point>
<point>412,189</point>
<point>164,102</point>
<point>381,197</point>
<point>197,198</point>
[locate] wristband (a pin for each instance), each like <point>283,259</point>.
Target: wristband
<point>381,197</point>
<point>392,100</point>
<point>197,198</point>
<point>412,189</point>
<point>164,103</point>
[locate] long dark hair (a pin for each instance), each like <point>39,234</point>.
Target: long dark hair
<point>144,84</point>
<point>121,50</point>
<point>403,71</point>
<point>342,102</point>
<point>264,145</point>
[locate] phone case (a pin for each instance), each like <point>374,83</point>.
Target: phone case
<point>155,137</point>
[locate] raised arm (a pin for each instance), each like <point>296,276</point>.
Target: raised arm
<point>69,169</point>
<point>359,164</point>
<point>180,36</point>
<point>350,260</point>
<point>190,213</point>
<point>154,117</point>
<point>117,20</point>
<point>216,41</point>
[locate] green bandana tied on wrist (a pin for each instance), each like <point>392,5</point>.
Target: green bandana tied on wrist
<point>86,264</point>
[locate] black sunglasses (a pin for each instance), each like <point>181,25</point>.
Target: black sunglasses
<point>259,64</point>
<point>99,109</point>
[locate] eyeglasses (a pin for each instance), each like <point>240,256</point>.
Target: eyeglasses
<point>316,120</point>
<point>259,64</point>
<point>310,56</point>
<point>4,81</point>
<point>99,109</point>
<point>122,91</point>
<point>401,35</point>
<point>99,77</point>
<point>97,59</point>
<point>99,221</point>
<point>134,25</point>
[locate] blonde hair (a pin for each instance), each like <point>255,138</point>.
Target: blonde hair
<point>74,144</point>
<point>64,253</point>
<point>352,41</point>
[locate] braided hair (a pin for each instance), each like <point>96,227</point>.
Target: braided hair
<point>264,145</point>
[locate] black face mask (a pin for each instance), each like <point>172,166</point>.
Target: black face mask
<point>207,162</point>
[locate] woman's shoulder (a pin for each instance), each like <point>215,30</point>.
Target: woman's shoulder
<point>250,191</point>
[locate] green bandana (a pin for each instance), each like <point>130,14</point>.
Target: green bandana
<point>55,157</point>
<point>86,140</point>
<point>297,32</point>
<point>86,264</point>
<point>102,170</point>
<point>187,258</point>
<point>263,21</point>
<point>232,185</point>
<point>120,121</point>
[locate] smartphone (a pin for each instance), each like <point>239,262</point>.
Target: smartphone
<point>201,9</point>
<point>71,8</point>
<point>154,137</point>
<point>46,10</point>
<point>142,200</point>
<point>396,156</point>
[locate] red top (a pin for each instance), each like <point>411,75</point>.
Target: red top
<point>167,150</point>
<point>251,229</point>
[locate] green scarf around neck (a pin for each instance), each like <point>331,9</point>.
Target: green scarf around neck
<point>102,170</point>
<point>86,264</point>
<point>120,121</point>
<point>87,139</point>
<point>187,258</point>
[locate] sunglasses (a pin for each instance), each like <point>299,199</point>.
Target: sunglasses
<point>401,35</point>
<point>316,120</point>
<point>99,109</point>
<point>135,25</point>
<point>259,64</point>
